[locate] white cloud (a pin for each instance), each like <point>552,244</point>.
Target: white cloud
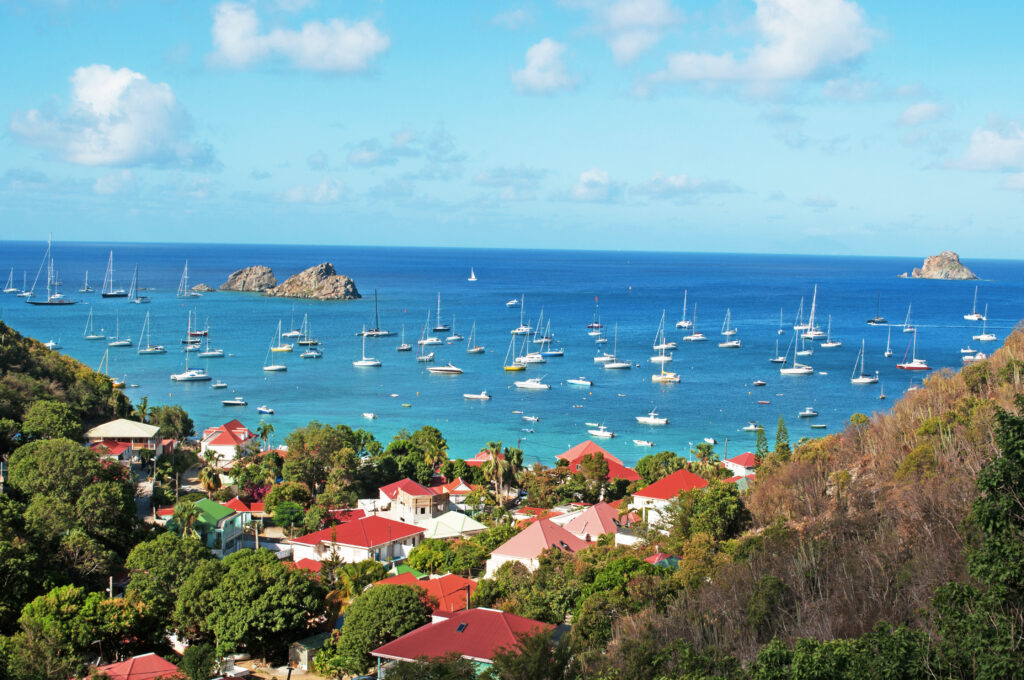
<point>1001,148</point>
<point>116,117</point>
<point>797,39</point>
<point>922,112</point>
<point>513,19</point>
<point>596,186</point>
<point>675,187</point>
<point>329,190</point>
<point>115,183</point>
<point>635,26</point>
<point>1014,182</point>
<point>545,72</point>
<point>335,45</point>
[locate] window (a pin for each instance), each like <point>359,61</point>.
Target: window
<point>461,628</point>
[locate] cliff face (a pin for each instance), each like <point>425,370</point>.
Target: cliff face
<point>251,280</point>
<point>202,288</point>
<point>321,282</point>
<point>946,265</point>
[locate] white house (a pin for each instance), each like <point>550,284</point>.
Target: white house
<point>408,501</point>
<point>652,500</point>
<point>526,547</point>
<point>123,438</point>
<point>742,465</point>
<point>370,538</point>
<point>225,438</point>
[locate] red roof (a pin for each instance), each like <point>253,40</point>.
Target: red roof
<point>346,514</point>
<point>367,532</point>
<point>142,667</point>
<point>616,470</point>
<point>407,485</point>
<point>165,512</point>
<point>587,447</point>
<point>456,487</point>
<point>669,487</point>
<point>538,537</point>
<point>309,565</point>
<point>115,448</point>
<point>256,506</point>
<point>238,505</point>
<point>599,519</point>
<point>474,633</point>
<point>449,590</point>
<point>747,460</point>
<point>482,458</point>
<point>232,433</point>
<point>738,478</point>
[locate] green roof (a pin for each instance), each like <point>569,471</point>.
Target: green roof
<point>212,513</point>
<point>402,569</point>
<point>452,524</point>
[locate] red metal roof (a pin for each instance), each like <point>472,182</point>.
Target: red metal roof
<point>616,470</point>
<point>482,458</point>
<point>142,667</point>
<point>474,633</point>
<point>738,478</point>
<point>538,537</point>
<point>747,460</point>
<point>309,565</point>
<point>407,485</point>
<point>587,447</point>
<point>231,433</point>
<point>238,505</point>
<point>115,448</point>
<point>456,487</point>
<point>367,532</point>
<point>449,590</point>
<point>599,519</point>
<point>669,487</point>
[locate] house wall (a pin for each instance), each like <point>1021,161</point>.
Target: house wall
<point>650,509</point>
<point>396,550</point>
<point>737,470</point>
<point>495,561</point>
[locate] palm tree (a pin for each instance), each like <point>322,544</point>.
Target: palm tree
<point>185,516</point>
<point>141,410</point>
<point>263,431</point>
<point>496,470</point>
<point>209,478</point>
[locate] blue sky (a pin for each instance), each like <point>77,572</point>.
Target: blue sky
<point>806,126</point>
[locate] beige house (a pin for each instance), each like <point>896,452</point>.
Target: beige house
<point>412,503</point>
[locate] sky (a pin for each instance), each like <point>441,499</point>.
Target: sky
<point>774,126</point>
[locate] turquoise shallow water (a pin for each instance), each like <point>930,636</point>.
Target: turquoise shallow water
<point>716,397</point>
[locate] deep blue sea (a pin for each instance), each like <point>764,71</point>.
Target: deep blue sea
<point>715,398</point>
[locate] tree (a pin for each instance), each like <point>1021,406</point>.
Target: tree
<point>59,468</point>
<point>594,467</point>
<point>379,615</point>
<point>194,600</point>
<point>173,421</point>
<point>198,661</point>
<point>781,438</point>
<point>348,580</point>
<point>209,479</point>
<point>448,667</point>
<point>288,514</point>
<point>263,431</point>
<point>141,410</point>
<point>106,510</point>
<point>50,420</point>
<point>259,602</point>
<point>762,443</point>
<point>535,657</point>
<point>653,467</point>
<point>185,516</point>
<point>432,444</point>
<point>287,491</point>
<point>158,568</point>
<point>716,510</point>
<point>496,469</point>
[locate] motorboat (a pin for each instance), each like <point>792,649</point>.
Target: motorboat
<point>373,416</point>
<point>483,396</point>
<point>604,358</point>
<point>532,419</point>
<point>752,426</point>
<point>264,409</point>
<point>819,426</point>
<point>52,345</point>
<point>430,340</point>
<point>514,302</point>
<point>219,385</point>
<point>447,369</point>
<point>967,350</point>
<point>971,358</point>
<point>580,381</point>
<point>665,377</point>
<point>556,352</point>
<point>524,329</point>
<point>759,383</point>
<point>191,375</point>
<point>808,412</point>
<point>531,358</point>
<point>531,384</point>
<point>602,432</point>
<point>642,442</point>
<point>426,358</point>
<point>652,418</point>
<point>710,440</point>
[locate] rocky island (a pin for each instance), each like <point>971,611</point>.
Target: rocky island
<point>255,279</point>
<point>946,266</point>
<point>202,288</point>
<point>321,282</point>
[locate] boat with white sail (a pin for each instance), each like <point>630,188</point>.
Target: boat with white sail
<point>90,332</point>
<point>859,377</point>
<point>118,341</point>
<point>472,275</point>
<point>616,363</point>
<point>695,335</point>
<point>778,358</point>
<point>812,330</point>
<point>907,328</point>
<point>376,331</point>
<point>797,368</point>
<point>974,316</point>
<point>365,361</point>
<point>280,345</point>
<point>9,287</point>
<point>183,289</point>
<point>109,290</point>
<point>133,290</point>
<point>148,347</point>
<point>454,337</point>
<point>829,342</point>
<point>54,298</point>
<point>403,346</point>
<point>984,336</point>
<point>471,346</point>
<point>888,344</point>
<point>915,363</point>
<point>684,322</point>
<point>441,327</point>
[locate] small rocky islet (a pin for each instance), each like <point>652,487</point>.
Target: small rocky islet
<point>945,266</point>
<point>320,282</point>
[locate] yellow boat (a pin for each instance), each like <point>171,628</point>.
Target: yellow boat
<point>515,367</point>
<point>281,348</point>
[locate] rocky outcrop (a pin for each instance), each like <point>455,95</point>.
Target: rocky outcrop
<point>202,288</point>
<point>256,279</point>
<point>946,265</point>
<point>321,282</point>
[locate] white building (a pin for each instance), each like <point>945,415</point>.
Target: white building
<point>370,538</point>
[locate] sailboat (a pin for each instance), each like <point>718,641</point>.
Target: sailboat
<point>90,332</point>
<point>799,325</point>
<point>781,331</point>
<point>729,331</point>
<point>984,336</point>
<point>428,339</point>
<point>306,338</point>
<point>53,297</point>
<point>210,352</point>
<point>859,377</point>
<point>829,342</point>
<point>878,319</point>
<point>183,290</point>
<point>191,374</point>
<point>778,358</point>
<point>973,316</point>
<point>473,348</point>
<point>804,350</point>
<point>695,335</point>
<point>280,346</point>
<point>86,288</point>
<point>292,331</point>
<point>25,292</point>
<point>148,347</point>
<point>797,368</point>
<point>472,275</point>
<point>665,376</point>
<point>615,363</point>
<point>510,361</point>
<point>133,290</point>
<point>118,341</point>
<point>526,357</point>
<point>907,328</point>
<point>546,349</point>
<point>888,344</point>
<point>9,287</point>
<point>366,361</point>
<point>108,290</point>
<point>813,332</point>
<point>660,344</point>
<point>595,325</point>
<point>268,365</point>
<point>684,322</point>
<point>404,346</point>
<point>524,328</point>
<point>440,327</point>
<point>915,364</point>
<point>539,336</point>
<point>454,337</point>
<point>376,331</point>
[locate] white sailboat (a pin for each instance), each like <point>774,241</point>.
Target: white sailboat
<point>191,374</point>
<point>306,338</point>
<point>183,290</point>
<point>859,377</point>
<point>915,363</point>
<point>280,346</point>
<point>90,332</point>
<point>797,368</point>
<point>86,288</point>
<point>523,328</point>
<point>660,342</point>
<point>427,339</point>
<point>133,290</point>
<point>454,337</point>
<point>377,331</point>
<point>118,341</point>
<point>422,343</point>
<point>778,358</point>
<point>973,316</point>
<point>695,335</point>
<point>108,290</point>
<point>365,361</point>
<point>104,368</point>
<point>595,325</point>
<point>148,347</point>
<point>24,292</point>
<point>781,331</point>
<point>984,336</point>
<point>799,324</point>
<point>210,352</point>
<point>404,346</point>
<point>616,363</point>
<point>440,327</point>
<point>813,332</point>
<point>888,344</point>
<point>292,331</point>
<point>907,328</point>
<point>54,298</point>
<point>9,287</point>
<point>268,365</point>
<point>829,342</point>
<point>730,332</point>
<point>472,347</point>
<point>684,322</point>
<point>472,275</point>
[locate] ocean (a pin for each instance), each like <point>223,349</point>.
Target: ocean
<point>715,399</point>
